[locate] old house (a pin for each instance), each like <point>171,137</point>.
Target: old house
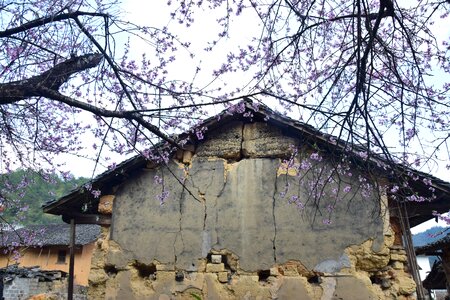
<point>439,276</point>
<point>46,246</point>
<point>255,206</point>
<point>22,283</point>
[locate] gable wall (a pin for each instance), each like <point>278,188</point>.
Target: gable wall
<point>232,206</point>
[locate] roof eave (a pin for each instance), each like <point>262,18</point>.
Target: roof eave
<point>61,206</point>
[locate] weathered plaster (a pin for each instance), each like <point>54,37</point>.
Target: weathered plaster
<point>230,204</point>
<point>236,212</point>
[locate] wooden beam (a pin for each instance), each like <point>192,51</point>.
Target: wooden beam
<point>72,260</point>
<point>87,218</point>
<point>431,253</point>
<point>409,248</point>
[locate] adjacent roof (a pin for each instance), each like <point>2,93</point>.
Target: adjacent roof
<point>434,246</point>
<point>79,200</point>
<point>436,279</point>
<point>12,271</point>
<point>49,235</point>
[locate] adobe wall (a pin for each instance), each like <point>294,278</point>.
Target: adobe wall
<point>229,233</point>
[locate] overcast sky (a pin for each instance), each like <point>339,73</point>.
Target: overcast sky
<point>156,13</point>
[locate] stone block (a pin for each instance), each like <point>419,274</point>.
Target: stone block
<point>105,204</point>
<point>333,266</point>
<point>294,288</point>
<point>268,147</point>
<point>398,265</point>
<point>165,267</point>
<point>97,277</point>
<point>249,278</point>
<point>385,283</point>
<point>179,154</point>
<point>355,288</point>
<point>294,268</point>
<point>223,142</point>
<point>259,130</point>
<point>290,273</point>
<point>215,268</point>
<point>201,265</point>
<point>216,258</point>
<point>215,290</point>
<point>289,269</point>
<point>367,259</point>
<point>398,251</point>
<point>406,285</point>
<point>116,258</point>
<point>187,156</point>
<point>223,277</point>
<point>274,271</point>
<point>398,257</point>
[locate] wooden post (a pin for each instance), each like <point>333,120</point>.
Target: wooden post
<point>446,265</point>
<point>72,259</point>
<point>409,248</point>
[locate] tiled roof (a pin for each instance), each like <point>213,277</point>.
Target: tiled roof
<point>434,246</point>
<point>49,235</point>
<point>75,199</point>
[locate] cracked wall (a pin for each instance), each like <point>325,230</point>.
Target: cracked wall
<point>231,206</point>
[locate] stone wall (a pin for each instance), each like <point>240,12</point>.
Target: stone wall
<point>31,288</point>
<point>362,274</point>
<point>229,233</point>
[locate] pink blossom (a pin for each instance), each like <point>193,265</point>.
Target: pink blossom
<point>96,193</point>
<point>394,189</point>
<point>315,156</point>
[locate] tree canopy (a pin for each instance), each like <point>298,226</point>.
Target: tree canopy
<point>371,73</point>
<point>27,191</point>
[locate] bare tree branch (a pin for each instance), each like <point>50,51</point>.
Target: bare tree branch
<point>52,79</point>
<point>132,116</point>
<point>46,20</point>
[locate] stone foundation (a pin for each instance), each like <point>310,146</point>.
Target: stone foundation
<point>363,274</point>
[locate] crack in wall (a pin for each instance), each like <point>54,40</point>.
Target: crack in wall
<point>241,151</point>
<point>225,181</point>
<point>180,231</point>
<point>274,240</point>
<point>207,198</point>
<point>202,195</point>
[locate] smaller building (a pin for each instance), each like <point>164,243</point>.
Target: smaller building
<point>439,275</point>
<point>25,283</point>
<point>47,246</point>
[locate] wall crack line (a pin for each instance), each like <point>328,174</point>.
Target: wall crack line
<point>216,210</point>
<point>274,240</point>
<point>241,152</point>
<point>180,220</point>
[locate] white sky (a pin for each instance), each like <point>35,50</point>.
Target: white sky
<point>155,13</point>
<point>427,225</point>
